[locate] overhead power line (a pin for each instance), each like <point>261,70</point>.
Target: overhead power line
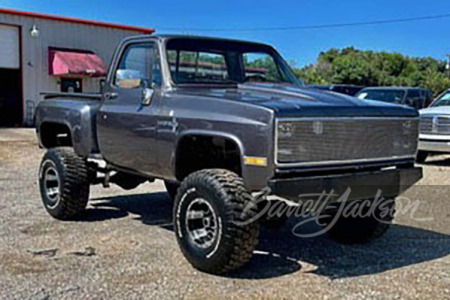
<point>319,26</point>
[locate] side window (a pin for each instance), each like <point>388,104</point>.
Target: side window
<point>156,69</point>
<point>138,67</point>
<point>260,67</point>
<point>413,99</point>
<point>428,99</point>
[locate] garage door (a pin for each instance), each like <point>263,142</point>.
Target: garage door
<point>9,49</point>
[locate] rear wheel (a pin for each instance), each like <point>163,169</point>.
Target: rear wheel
<point>421,156</point>
<point>211,212</point>
<point>64,183</point>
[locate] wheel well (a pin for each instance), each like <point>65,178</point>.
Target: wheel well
<point>55,135</point>
<point>197,152</point>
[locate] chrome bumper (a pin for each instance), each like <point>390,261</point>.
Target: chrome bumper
<point>437,146</point>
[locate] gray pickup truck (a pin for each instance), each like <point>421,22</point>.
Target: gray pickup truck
<point>220,121</point>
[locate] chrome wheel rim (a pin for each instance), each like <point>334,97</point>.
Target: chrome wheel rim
<point>52,186</point>
<point>201,223</point>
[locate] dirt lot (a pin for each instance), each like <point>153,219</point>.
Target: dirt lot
<point>124,247</point>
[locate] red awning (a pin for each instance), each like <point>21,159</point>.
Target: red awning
<point>78,63</point>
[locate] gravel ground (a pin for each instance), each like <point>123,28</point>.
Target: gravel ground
<point>124,247</point>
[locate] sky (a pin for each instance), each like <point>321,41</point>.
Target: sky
<point>421,38</point>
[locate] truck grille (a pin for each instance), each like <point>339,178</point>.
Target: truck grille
<point>435,124</point>
<point>326,141</point>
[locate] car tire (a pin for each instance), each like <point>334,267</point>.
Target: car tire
<point>208,210</point>
<point>172,188</point>
<point>64,183</point>
<point>359,229</point>
<point>421,156</point>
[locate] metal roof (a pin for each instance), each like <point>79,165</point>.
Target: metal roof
<point>76,20</point>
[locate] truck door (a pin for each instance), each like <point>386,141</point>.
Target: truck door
<point>126,122</point>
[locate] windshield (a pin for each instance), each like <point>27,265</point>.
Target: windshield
<point>391,96</point>
<point>193,61</point>
<point>444,100</point>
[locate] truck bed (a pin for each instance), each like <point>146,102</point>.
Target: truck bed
<point>72,113</point>
<point>71,96</point>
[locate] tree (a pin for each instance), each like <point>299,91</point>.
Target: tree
<point>372,68</point>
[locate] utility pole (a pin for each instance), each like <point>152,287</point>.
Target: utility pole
<point>447,67</point>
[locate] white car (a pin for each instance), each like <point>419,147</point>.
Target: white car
<point>434,130</point>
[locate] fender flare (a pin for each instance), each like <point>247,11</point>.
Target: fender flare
<point>76,146</point>
<point>211,133</point>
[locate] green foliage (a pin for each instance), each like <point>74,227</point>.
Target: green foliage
<point>371,68</point>
<point>263,62</point>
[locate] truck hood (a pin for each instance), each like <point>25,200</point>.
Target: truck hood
<point>292,101</point>
<point>438,110</point>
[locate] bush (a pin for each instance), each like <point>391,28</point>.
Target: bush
<point>371,68</point>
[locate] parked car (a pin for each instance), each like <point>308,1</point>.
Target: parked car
<point>441,96</point>
<point>346,89</point>
<point>434,128</point>
<point>415,97</point>
<point>193,112</point>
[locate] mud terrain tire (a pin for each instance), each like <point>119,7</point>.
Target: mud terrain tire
<point>64,183</point>
<point>208,208</point>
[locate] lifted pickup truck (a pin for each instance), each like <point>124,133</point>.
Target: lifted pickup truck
<point>220,121</point>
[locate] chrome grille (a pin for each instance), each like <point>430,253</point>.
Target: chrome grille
<point>339,140</point>
<point>435,124</point>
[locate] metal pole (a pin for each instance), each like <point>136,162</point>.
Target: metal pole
<point>447,67</point>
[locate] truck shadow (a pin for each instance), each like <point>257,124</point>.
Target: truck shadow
<point>280,252</point>
<point>437,160</point>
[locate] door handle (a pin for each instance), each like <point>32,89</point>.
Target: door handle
<point>109,96</point>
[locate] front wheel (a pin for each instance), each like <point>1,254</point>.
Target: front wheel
<point>64,183</point>
<point>213,221</point>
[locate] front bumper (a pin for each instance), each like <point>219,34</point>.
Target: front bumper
<point>434,146</point>
<point>363,185</point>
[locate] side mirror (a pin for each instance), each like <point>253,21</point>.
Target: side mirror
<point>147,96</point>
<point>129,83</point>
<point>128,79</point>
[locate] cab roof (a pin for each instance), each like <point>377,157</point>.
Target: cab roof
<point>167,37</point>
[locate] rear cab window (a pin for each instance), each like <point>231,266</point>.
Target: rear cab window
<point>217,62</point>
<point>190,66</point>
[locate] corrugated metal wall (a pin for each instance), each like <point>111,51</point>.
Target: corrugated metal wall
<point>101,40</point>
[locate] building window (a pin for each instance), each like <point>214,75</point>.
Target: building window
<point>71,85</point>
